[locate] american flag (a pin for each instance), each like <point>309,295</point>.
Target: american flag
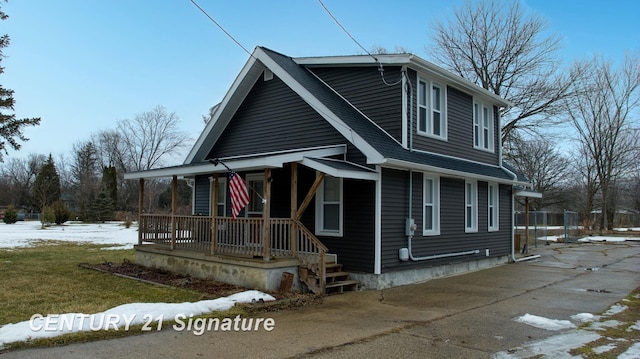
<point>238,192</point>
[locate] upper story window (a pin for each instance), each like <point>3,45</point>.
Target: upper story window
<point>483,125</point>
<point>432,115</point>
<point>329,207</point>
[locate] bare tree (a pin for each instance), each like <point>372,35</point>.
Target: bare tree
<point>150,137</point>
<point>499,46</point>
<point>18,176</point>
<point>543,165</point>
<point>602,116</point>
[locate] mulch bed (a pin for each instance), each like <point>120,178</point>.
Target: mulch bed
<point>210,289</point>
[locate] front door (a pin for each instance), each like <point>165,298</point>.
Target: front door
<point>255,208</point>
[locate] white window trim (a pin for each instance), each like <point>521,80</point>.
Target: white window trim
<point>473,198</point>
<point>482,143</point>
<point>436,205</point>
<point>222,183</point>
<point>496,207</point>
<point>430,109</point>
<point>320,211</point>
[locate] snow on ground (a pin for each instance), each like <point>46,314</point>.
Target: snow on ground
<point>559,346</point>
<point>545,323</point>
<point>26,233</point>
<point>126,315</point>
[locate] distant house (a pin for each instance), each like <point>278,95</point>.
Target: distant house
<point>384,171</point>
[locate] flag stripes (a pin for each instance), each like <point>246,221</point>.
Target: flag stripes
<point>238,193</point>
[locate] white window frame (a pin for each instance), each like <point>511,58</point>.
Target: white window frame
<point>425,102</point>
<point>434,204</point>
<point>483,127</point>
<point>320,205</point>
<point>470,206</point>
<point>222,199</point>
<point>493,207</point>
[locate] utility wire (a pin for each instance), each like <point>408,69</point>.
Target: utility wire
<point>345,30</point>
<point>221,28</point>
<point>380,67</point>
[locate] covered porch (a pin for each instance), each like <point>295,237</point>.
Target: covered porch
<point>252,245</point>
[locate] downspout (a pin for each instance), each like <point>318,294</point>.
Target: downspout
<point>513,229</point>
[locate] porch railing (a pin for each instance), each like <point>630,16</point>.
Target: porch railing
<point>240,237</point>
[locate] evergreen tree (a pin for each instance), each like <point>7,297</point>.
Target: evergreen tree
<point>110,183</point>
<point>10,215</point>
<point>102,207</point>
<point>46,188</point>
<point>10,127</point>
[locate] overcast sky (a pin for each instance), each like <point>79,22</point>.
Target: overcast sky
<point>83,65</point>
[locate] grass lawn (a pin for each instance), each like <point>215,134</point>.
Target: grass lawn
<point>47,279</point>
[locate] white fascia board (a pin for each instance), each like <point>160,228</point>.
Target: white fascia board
<point>373,156</point>
<point>367,174</point>
<point>447,172</point>
<point>254,162</point>
<point>354,60</point>
<point>221,106</point>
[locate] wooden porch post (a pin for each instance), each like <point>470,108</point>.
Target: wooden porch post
<point>310,194</point>
<point>140,209</point>
<point>293,231</point>
<point>266,230</point>
<point>214,212</point>
<point>174,207</point>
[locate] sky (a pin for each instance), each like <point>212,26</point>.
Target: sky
<point>81,66</point>
<point>114,236</point>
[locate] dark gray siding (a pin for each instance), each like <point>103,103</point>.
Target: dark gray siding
<point>273,118</point>
<point>202,194</point>
<point>452,236</point>
<point>355,249</point>
<point>363,87</point>
<point>459,141</point>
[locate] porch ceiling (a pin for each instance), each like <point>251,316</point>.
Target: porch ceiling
<point>241,163</point>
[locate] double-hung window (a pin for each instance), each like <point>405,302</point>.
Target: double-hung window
<point>222,197</point>
<point>492,207</point>
<point>483,125</point>
<point>431,209</point>
<point>329,207</point>
<point>471,206</point>
<point>432,115</point>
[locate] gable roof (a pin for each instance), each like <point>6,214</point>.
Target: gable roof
<point>377,145</point>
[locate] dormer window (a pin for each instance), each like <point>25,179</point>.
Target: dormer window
<point>432,115</point>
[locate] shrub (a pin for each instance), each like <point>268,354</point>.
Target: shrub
<point>10,216</point>
<point>61,212</point>
<point>47,216</point>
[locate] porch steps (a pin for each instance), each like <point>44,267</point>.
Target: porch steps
<point>336,280</point>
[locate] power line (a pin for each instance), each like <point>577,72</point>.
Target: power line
<point>345,30</point>
<point>380,67</point>
<point>221,28</point>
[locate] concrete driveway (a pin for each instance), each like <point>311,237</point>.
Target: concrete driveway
<point>465,316</point>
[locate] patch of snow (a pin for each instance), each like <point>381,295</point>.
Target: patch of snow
<point>607,239</point>
<point>584,317</point>
<point>603,348</point>
<point>121,317</point>
<point>615,309</point>
<point>545,323</point>
<point>604,325</point>
<point>28,233</point>
<point>632,353</point>
<point>557,346</point>
<point>634,327</point>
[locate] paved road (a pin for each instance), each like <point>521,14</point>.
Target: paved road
<point>465,316</point>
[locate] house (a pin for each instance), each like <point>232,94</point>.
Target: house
<point>378,171</point>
